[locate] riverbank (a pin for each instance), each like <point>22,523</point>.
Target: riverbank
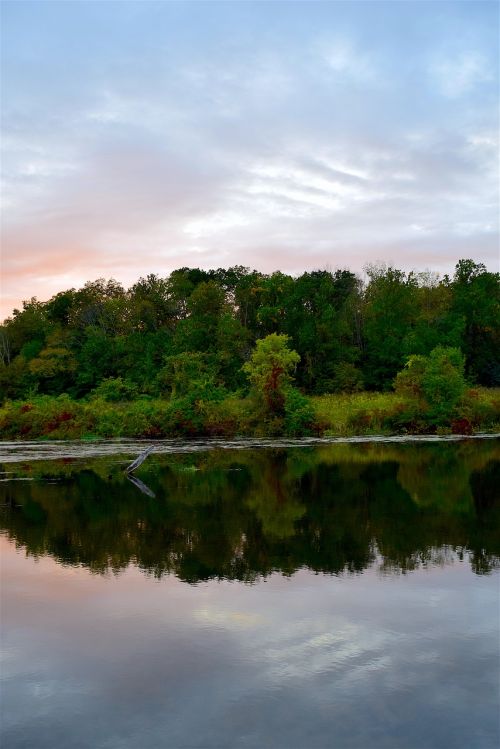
<point>364,413</point>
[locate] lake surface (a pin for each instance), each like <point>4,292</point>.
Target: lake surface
<point>342,595</point>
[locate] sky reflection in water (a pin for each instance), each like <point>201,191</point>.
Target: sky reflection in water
<point>350,660</point>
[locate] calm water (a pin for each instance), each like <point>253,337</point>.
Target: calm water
<point>342,596</point>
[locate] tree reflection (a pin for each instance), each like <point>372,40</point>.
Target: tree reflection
<point>240,514</point>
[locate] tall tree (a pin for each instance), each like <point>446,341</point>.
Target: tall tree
<point>389,312</point>
<point>476,300</point>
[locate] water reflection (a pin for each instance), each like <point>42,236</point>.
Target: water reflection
<point>141,486</point>
<point>241,514</point>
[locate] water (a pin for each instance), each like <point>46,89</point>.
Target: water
<point>299,595</point>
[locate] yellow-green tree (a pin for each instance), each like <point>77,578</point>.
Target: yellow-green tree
<point>270,370</point>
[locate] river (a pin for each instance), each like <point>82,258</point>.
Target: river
<point>333,594</point>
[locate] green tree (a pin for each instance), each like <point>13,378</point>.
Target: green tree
<point>389,312</point>
<point>274,303</point>
<point>188,372</point>
<point>97,359</point>
<point>198,330</point>
<point>151,304</point>
<point>476,301</point>
<point>54,367</point>
<point>434,322</point>
<point>270,370</point>
<point>321,324</point>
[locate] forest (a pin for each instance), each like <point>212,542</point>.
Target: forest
<point>236,351</point>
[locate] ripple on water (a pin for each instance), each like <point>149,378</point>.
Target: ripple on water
<point>14,452</point>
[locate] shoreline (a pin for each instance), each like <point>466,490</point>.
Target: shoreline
<point>359,415</point>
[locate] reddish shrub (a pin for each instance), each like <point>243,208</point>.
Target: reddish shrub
<point>461,426</point>
<point>56,422</point>
<point>154,432</point>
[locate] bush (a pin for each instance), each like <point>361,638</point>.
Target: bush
<point>183,418</point>
<point>299,414</point>
<point>481,408</point>
<point>114,390</point>
<point>437,380</point>
<point>444,383</point>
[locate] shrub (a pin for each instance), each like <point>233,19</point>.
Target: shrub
<point>115,389</point>
<point>183,417</point>
<point>225,418</point>
<point>481,407</point>
<point>443,382</point>
<point>299,414</point>
<point>438,380</point>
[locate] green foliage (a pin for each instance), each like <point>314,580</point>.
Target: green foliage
<point>97,359</point>
<point>434,323</point>
<point>409,380</point>
<point>115,389</point>
<point>443,383</point>
<point>184,417</point>
<point>186,373</point>
<point>476,300</point>
<point>270,370</point>
<point>42,416</point>
<point>216,413</point>
<point>322,321</point>
<point>347,378</point>
<point>15,378</point>
<point>227,417</point>
<point>299,418</point>
<point>480,407</point>
<point>31,349</point>
<point>231,348</point>
<point>438,379</point>
<point>188,336</point>
<point>364,413</point>
<point>389,311</point>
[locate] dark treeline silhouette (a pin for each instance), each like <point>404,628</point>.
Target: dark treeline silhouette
<point>349,335</point>
<point>238,514</point>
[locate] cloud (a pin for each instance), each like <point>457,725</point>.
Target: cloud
<point>344,58</point>
<point>252,139</point>
<point>458,75</point>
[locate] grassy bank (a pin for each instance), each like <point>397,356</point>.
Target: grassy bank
<point>382,413</point>
<point>339,414</point>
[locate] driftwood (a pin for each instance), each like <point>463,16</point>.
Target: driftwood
<point>139,460</point>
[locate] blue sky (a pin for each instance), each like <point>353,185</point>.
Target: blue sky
<point>139,137</point>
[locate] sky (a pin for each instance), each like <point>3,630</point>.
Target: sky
<point>139,137</point>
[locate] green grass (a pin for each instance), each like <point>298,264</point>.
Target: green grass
<point>386,413</point>
<point>347,414</point>
<point>481,406</point>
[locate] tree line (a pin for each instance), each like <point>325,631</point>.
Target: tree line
<point>156,336</point>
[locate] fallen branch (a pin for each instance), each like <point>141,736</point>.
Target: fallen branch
<point>139,460</point>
